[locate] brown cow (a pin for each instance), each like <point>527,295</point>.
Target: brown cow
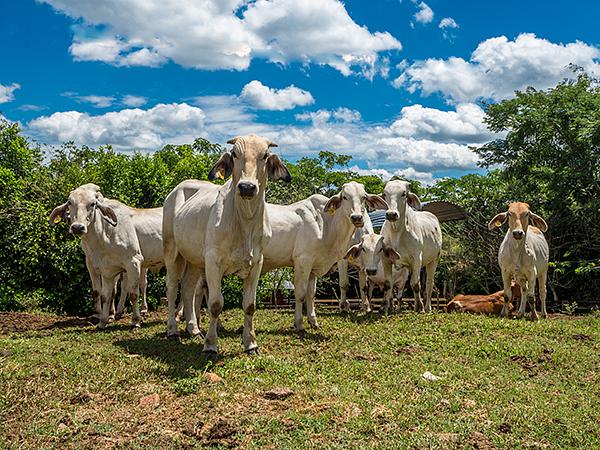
<point>483,304</point>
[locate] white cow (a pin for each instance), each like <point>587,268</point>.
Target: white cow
<point>375,260</point>
<point>115,239</point>
<point>312,235</point>
<point>343,270</point>
<point>523,255</point>
<point>415,235</point>
<point>220,232</point>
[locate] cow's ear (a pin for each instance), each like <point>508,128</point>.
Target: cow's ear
<point>391,254</point>
<point>413,200</point>
<point>376,202</point>
<point>223,167</point>
<point>232,141</point>
<point>333,203</point>
<point>59,213</point>
<point>538,222</point>
<point>497,221</point>
<point>108,213</point>
<point>352,252</point>
<point>276,169</point>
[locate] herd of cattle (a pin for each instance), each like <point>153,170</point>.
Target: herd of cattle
<point>205,231</point>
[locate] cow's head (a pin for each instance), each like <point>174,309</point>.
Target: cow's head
<point>519,218</point>
<point>249,163</point>
<point>352,202</point>
<point>81,209</point>
<point>368,253</point>
<point>397,194</point>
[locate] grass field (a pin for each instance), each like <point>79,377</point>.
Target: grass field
<point>355,383</point>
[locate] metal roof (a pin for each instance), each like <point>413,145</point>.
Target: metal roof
<point>444,211</point>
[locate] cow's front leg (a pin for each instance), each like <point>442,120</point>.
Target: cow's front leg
<point>122,297</point>
<point>214,274</point>
<point>388,285</point>
<point>402,279</point>
<point>249,306</point>
<point>133,290</point>
<point>415,283</point>
<point>531,277</point>
<point>143,289</point>
<point>362,284</point>
<point>107,294</point>
<point>506,281</point>
<point>523,304</point>
<point>96,279</point>
<point>310,301</point>
<point>344,283</point>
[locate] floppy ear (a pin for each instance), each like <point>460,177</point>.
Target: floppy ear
<point>223,167</point>
<point>108,213</point>
<point>59,213</point>
<point>232,141</point>
<point>333,203</point>
<point>376,202</point>
<point>392,254</point>
<point>497,221</point>
<point>272,144</point>
<point>276,168</point>
<point>538,222</point>
<point>413,200</point>
<point>352,252</point>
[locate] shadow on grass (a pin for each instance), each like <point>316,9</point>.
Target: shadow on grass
<point>309,335</point>
<point>182,360</point>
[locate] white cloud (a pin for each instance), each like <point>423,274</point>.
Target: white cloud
<point>134,100</point>
<point>448,22</point>
<point>224,34</point>
<point>260,96</point>
<point>6,92</point>
<point>323,115</point>
<point>464,125</point>
<point>29,107</point>
<point>498,67</point>
<point>97,101</point>
<point>424,14</point>
<point>407,172</point>
<point>128,129</point>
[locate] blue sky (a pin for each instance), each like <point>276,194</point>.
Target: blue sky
<point>396,84</point>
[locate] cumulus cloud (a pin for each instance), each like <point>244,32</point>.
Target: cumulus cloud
<point>134,100</point>
<point>423,139</point>
<point>260,96</point>
<point>498,67</point>
<point>463,125</point>
<point>447,24</point>
<point>424,14</point>
<point>224,34</point>
<point>128,129</point>
<point>410,173</point>
<point>6,92</point>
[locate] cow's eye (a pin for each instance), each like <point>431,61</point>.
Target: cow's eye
<point>69,202</point>
<point>363,250</point>
<point>344,197</point>
<point>403,194</point>
<point>265,156</point>
<point>234,154</point>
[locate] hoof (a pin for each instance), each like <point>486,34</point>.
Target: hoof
<point>118,316</point>
<point>173,337</point>
<point>135,327</point>
<point>101,326</point>
<point>210,356</point>
<point>253,352</point>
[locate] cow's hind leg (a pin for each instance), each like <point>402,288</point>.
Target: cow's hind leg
<point>506,280</point>
<point>122,298</point>
<point>531,278</point>
<point>415,283</point>
<point>189,282</point>
<point>106,296</point>
<point>301,278</point>
<point>310,302</point>
<point>133,289</point>
<point>175,267</point>
<point>214,274</point>
<point>143,288</point>
<point>249,306</point>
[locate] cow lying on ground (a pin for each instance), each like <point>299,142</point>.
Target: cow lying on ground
<point>491,304</point>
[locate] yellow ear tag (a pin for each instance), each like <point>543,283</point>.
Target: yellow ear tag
<point>57,219</point>
<point>498,223</point>
<point>331,211</point>
<point>220,174</point>
<point>350,258</point>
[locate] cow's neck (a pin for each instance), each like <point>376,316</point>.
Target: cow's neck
<point>249,222</point>
<point>517,249</point>
<point>95,231</point>
<point>405,220</point>
<point>337,234</point>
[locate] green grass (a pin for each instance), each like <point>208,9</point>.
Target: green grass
<point>356,384</point>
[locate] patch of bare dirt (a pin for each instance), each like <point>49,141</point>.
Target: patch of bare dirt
<point>480,441</point>
<point>408,350</point>
<point>17,322</point>
<point>582,337</point>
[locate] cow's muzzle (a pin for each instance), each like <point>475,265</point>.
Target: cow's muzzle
<point>392,216</point>
<point>518,234</point>
<point>371,272</point>
<point>247,189</point>
<point>357,220</point>
<point>78,229</point>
